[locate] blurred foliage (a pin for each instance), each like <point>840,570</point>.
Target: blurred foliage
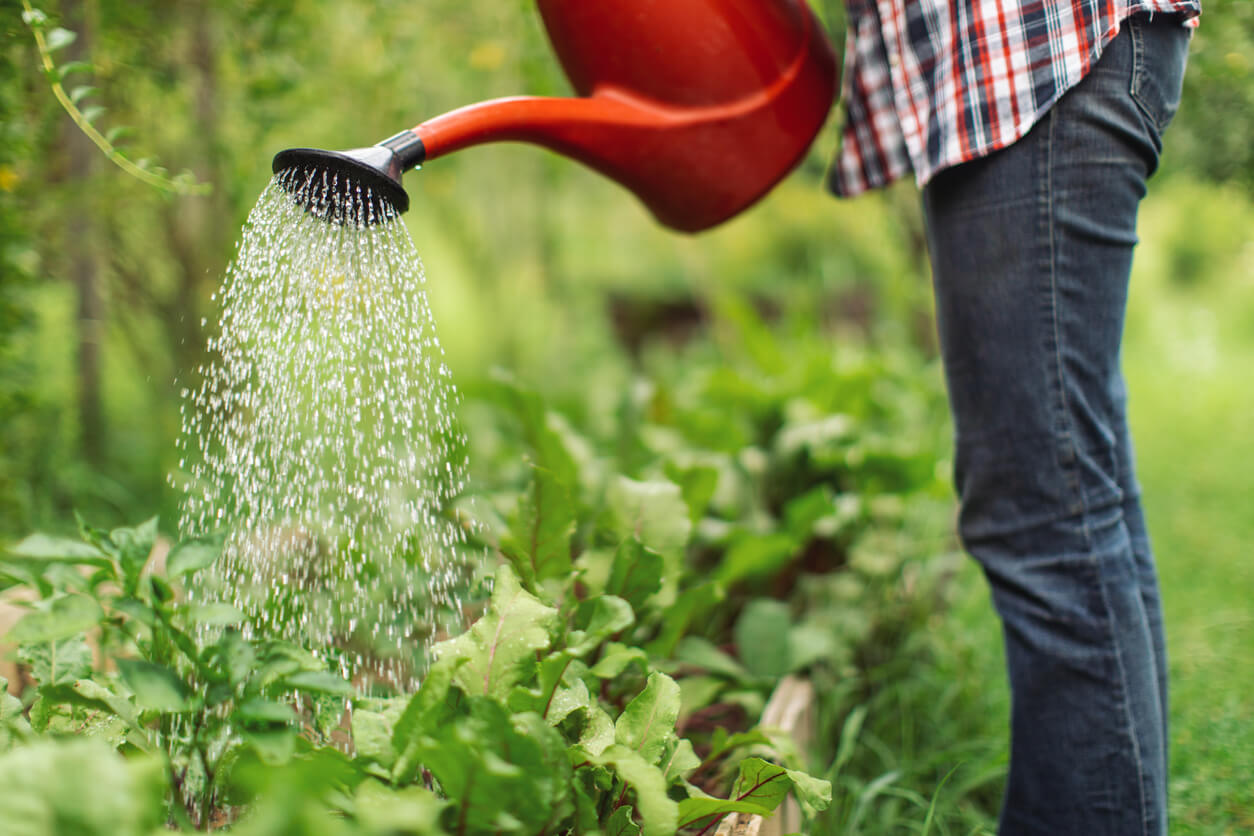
<point>1211,135</point>
<point>78,101</point>
<point>522,247</point>
<point>17,272</point>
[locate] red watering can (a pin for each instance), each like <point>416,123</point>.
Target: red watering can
<point>699,107</point>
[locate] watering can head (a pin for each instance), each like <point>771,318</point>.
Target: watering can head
<point>698,107</point>
<point>362,185</point>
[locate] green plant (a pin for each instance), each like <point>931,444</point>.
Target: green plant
<point>50,40</point>
<point>540,719</point>
<point>818,540</point>
<point>528,723</point>
<point>557,675</point>
<point>741,520</point>
<point>179,680</point>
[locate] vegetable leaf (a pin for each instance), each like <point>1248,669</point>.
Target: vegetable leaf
<point>60,662</point>
<point>71,67</point>
<point>621,823</point>
<point>80,786</point>
<point>762,783</point>
<point>43,547</point>
<point>545,443</point>
<point>700,809</point>
<point>700,652</point>
<point>697,484</point>
<point>319,682</point>
<point>411,810</point>
<point>155,687</point>
<point>813,793</point>
<point>372,737</point>
<point>499,649</point>
<point>652,511</point>
<point>636,573</point>
<point>658,812</point>
<point>602,617</point>
<point>559,689</point>
<point>191,556</point>
<point>429,710</point>
<point>598,731</point>
<point>648,722</point>
<point>539,542</point>
<point>13,726</point>
<point>680,761</point>
<point>261,712</point>
<point>134,545</point>
<point>60,618</point>
<point>616,658</point>
<point>755,556</point>
<point>762,638</point>
<point>500,772</point>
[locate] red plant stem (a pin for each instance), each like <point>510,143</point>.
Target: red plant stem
<point>740,797</point>
<point>549,702</point>
<point>465,807</point>
<point>718,817</point>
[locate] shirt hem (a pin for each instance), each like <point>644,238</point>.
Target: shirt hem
<point>922,178</point>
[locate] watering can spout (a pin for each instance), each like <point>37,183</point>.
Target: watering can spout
<point>699,107</point>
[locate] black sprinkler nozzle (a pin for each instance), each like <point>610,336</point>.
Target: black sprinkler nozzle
<point>362,183</point>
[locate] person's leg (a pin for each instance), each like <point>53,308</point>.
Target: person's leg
<point>1134,519</point>
<point>1031,250</point>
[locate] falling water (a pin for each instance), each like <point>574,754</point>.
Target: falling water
<point>322,443</point>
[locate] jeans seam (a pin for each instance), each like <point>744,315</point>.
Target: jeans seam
<point>1134,77</point>
<point>1124,703</point>
<point>1134,91</point>
<point>1076,485</point>
<point>1067,465</point>
<point>1156,117</point>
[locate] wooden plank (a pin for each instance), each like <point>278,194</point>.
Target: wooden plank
<point>791,710</point>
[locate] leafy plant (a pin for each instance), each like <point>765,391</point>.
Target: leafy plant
<point>49,40</point>
<point>743,521</point>
<point>817,539</point>
<point>179,681</point>
<point>551,696</point>
<point>510,726</point>
<point>542,718</point>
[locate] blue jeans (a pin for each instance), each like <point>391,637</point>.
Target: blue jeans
<point>1031,251</point>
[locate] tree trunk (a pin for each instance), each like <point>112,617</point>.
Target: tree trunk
<point>197,228</point>
<point>84,269</point>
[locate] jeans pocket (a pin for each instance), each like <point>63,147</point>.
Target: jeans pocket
<point>1160,49</point>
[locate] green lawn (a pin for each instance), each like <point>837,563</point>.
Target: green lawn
<point>1190,364</point>
<point>1193,428</point>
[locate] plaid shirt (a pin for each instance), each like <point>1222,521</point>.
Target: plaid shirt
<point>932,83</point>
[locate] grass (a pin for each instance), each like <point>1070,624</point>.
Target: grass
<point>1195,467</point>
<point>1189,360</point>
<point>925,754</point>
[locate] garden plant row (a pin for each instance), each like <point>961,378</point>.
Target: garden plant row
<point>646,586</point>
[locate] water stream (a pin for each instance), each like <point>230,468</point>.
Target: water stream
<point>322,442</point>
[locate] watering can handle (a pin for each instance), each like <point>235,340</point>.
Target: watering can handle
<point>554,123</point>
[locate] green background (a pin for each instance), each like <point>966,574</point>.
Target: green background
<point>543,268</point>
